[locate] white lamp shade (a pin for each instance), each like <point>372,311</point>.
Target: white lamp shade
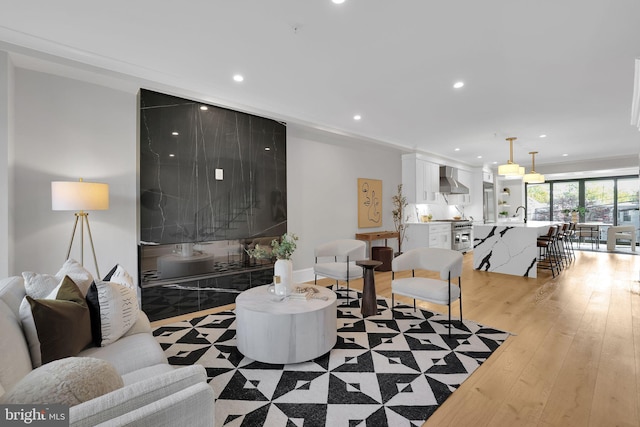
<point>533,178</point>
<point>510,169</point>
<point>79,196</point>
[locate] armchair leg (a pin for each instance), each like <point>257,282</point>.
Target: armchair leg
<point>393,304</point>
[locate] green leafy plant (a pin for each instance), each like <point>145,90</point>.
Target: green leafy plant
<point>281,248</point>
<point>504,213</point>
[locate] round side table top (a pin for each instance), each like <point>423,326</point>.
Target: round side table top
<point>369,263</point>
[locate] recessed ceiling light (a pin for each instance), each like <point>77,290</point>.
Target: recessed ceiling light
<point>172,155</point>
<point>204,107</point>
<point>479,157</point>
<point>543,136</point>
<point>357,117</point>
<point>338,1</point>
<point>238,78</point>
<point>495,163</point>
<point>174,133</point>
<point>565,155</point>
<point>456,149</point>
<point>458,85</point>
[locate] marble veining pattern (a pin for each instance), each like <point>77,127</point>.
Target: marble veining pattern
<point>209,174</point>
<point>505,249</point>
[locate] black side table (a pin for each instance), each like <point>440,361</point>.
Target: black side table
<point>369,305</point>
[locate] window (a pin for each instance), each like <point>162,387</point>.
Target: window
<point>538,199</point>
<point>565,197</point>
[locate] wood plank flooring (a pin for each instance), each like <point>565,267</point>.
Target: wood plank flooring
<point>574,359</point>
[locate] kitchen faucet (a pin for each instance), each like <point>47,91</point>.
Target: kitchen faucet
<point>525,212</point>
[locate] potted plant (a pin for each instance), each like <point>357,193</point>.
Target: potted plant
<point>281,249</point>
<point>503,214</point>
<point>576,212</point>
<point>399,219</point>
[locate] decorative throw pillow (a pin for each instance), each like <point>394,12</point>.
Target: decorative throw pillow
<point>57,326</point>
<point>38,285</point>
<point>67,381</point>
<point>114,309</point>
<point>119,275</point>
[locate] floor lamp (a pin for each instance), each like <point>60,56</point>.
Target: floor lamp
<point>80,196</point>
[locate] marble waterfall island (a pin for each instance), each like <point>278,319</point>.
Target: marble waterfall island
<point>508,248</point>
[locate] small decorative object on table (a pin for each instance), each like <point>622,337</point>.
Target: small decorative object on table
<point>303,292</point>
<point>281,249</point>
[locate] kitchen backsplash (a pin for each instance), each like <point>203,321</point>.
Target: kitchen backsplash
<point>415,211</point>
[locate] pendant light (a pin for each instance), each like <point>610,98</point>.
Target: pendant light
<point>510,168</point>
<point>533,177</point>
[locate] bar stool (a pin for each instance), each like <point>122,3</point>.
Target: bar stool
<point>548,257</point>
<point>563,238</point>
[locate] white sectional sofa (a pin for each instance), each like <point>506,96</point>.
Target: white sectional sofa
<point>154,393</point>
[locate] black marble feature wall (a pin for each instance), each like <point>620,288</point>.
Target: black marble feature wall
<point>212,182</point>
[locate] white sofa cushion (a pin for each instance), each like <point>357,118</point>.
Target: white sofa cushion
<point>129,353</point>
<point>119,275</point>
<point>114,310</point>
<point>39,285</point>
<point>12,293</point>
<point>67,381</point>
<point>15,361</point>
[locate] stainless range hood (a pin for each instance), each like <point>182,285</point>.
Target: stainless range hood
<point>449,183</point>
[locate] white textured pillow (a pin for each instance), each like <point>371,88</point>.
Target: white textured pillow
<point>67,381</point>
<point>118,307</point>
<point>38,285</point>
<point>121,276</point>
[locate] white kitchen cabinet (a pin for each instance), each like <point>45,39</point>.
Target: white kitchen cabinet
<point>428,235</point>
<point>440,236</point>
<point>420,179</point>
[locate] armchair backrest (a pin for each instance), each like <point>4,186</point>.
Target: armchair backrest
<point>354,249</point>
<point>444,261</point>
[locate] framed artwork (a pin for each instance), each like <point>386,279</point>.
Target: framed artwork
<point>369,203</point>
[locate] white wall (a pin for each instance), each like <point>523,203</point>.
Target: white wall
<point>322,185</point>
<point>6,163</point>
<point>64,130</point>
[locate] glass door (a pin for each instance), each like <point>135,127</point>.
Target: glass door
<point>627,204</point>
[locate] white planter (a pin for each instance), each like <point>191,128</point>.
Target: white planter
<point>284,269</point>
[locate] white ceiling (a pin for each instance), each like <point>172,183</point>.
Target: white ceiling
<point>560,68</point>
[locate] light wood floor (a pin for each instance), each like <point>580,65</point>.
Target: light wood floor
<point>574,359</point>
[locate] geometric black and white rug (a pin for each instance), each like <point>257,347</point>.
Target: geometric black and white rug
<point>383,371</point>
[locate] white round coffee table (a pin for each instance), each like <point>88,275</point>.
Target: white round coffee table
<point>289,331</point>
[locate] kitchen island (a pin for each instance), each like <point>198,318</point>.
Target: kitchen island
<point>508,247</point>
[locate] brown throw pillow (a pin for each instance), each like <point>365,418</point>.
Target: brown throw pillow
<point>63,324</point>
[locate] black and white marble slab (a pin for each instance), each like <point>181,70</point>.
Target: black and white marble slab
<point>508,248</point>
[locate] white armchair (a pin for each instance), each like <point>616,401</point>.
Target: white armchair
<point>336,260</point>
<point>624,232</point>
<point>438,291</point>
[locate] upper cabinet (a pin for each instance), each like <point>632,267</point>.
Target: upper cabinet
<point>420,179</point>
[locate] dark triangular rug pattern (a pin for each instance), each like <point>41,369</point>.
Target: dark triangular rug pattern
<point>384,370</point>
